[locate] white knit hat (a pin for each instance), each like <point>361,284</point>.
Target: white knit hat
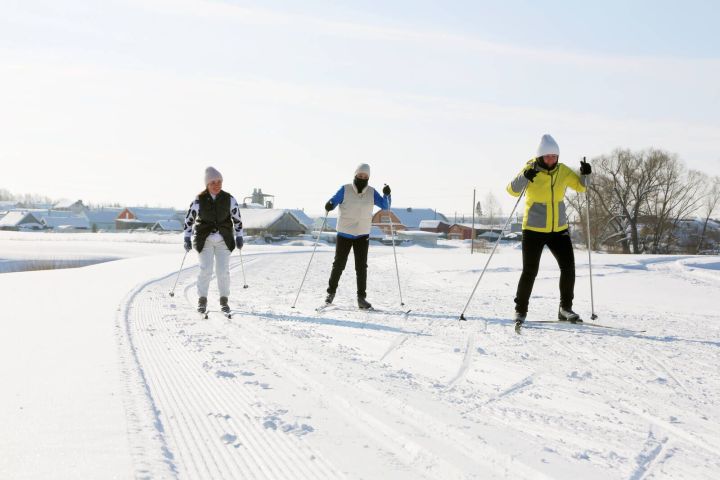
<point>212,174</point>
<point>548,146</point>
<point>363,168</point>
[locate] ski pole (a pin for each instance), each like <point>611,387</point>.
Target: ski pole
<point>311,259</point>
<point>397,270</point>
<point>589,249</point>
<point>462,315</point>
<point>242,267</point>
<point>172,292</point>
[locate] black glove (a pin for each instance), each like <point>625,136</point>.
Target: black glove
<point>585,168</point>
<point>329,206</point>
<point>386,190</point>
<point>530,173</point>
<point>239,242</point>
<point>188,244</point>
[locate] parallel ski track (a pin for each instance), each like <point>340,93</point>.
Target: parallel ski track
<point>186,397</point>
<point>682,436</point>
<point>434,431</point>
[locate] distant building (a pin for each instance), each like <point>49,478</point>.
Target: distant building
<point>434,226</point>
<point>168,226</point>
<point>263,200</point>
<point>271,222</point>
<point>405,218</point>
<point>64,220</point>
<point>74,206</point>
<point>133,218</point>
<point>460,231</point>
<point>103,218</point>
<point>20,221</point>
<point>303,217</point>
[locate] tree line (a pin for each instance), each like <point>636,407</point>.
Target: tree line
<point>640,201</point>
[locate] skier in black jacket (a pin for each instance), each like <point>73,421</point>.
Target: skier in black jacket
<point>215,217</point>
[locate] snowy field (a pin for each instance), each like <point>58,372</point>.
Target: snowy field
<point>106,376</point>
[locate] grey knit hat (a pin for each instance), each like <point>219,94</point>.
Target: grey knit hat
<point>212,174</point>
<point>363,168</point>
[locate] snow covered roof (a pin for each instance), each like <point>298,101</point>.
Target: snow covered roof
<point>303,218</point>
<point>417,234</point>
<point>55,221</point>
<point>411,217</point>
<point>480,226</point>
<point>152,215</point>
<point>103,215</point>
<point>67,204</point>
<point>431,223</point>
<point>168,225</point>
<point>259,218</point>
<point>15,218</point>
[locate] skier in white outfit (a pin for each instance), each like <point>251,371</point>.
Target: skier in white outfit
<point>214,216</point>
<point>356,201</point>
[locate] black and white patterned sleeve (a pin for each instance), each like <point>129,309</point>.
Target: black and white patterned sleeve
<point>237,219</point>
<point>190,217</point>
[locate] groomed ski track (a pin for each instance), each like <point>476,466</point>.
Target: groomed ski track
<point>276,393</point>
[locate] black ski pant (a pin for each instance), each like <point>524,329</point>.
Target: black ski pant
<point>359,247</point>
<point>561,247</point>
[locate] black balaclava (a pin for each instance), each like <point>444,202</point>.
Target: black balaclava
<point>540,162</point>
<point>360,184</point>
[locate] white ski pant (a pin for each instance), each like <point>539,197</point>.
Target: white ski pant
<point>214,252</point>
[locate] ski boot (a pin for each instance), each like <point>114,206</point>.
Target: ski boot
<point>329,299</point>
<point>519,320</point>
<point>567,315</point>
<point>224,307</point>
<point>363,304</point>
<point>202,305</point>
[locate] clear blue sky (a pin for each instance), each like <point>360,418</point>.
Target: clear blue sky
<point>129,100</point>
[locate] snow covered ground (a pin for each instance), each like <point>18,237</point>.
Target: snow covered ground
<point>106,376</point>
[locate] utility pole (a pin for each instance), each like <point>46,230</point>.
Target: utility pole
<point>472,230</point>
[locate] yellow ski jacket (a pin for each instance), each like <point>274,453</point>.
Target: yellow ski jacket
<point>544,206</point>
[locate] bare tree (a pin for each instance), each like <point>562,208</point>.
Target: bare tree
<point>492,208</point>
<point>624,182</point>
<point>677,195</point>
<point>711,201</point>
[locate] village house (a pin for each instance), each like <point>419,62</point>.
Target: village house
<point>75,206</point>
<point>434,226</point>
<point>271,222</point>
<point>103,218</point>
<point>20,221</point>
<point>64,221</point>
<point>134,218</point>
<point>405,218</point>
<point>168,226</point>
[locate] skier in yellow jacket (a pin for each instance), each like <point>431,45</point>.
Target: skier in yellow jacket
<point>544,181</point>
